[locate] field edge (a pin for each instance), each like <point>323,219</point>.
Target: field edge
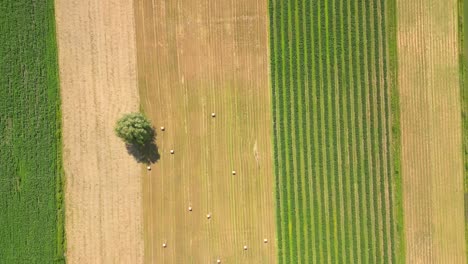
<point>274,154</point>
<point>52,54</point>
<point>396,130</point>
<point>463,51</point>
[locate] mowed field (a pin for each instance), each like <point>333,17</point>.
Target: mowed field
<point>336,167</point>
<point>97,59</point>
<point>432,159</point>
<point>195,58</point>
<point>31,204</point>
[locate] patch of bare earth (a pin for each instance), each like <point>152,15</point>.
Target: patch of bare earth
<point>97,60</point>
<point>195,58</point>
<point>431,131</point>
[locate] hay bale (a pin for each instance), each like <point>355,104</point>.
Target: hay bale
<point>163,128</point>
<point>172,151</point>
<point>218,261</point>
<point>190,208</point>
<point>208,216</point>
<point>213,114</point>
<point>233,172</point>
<point>245,247</point>
<point>265,240</point>
<point>148,168</point>
<point>164,245</point>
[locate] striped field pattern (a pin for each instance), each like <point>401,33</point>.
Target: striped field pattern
<point>336,172</point>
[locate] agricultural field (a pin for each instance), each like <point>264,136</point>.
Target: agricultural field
<point>197,58</point>
<point>97,61</point>
<point>31,203</point>
<point>336,157</point>
<point>431,129</point>
<point>287,131</point>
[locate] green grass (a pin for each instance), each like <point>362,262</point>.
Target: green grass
<point>336,131</point>
<point>31,175</point>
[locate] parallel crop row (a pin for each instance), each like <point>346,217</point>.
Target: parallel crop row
<point>330,83</point>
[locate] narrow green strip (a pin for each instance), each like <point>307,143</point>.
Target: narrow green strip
<point>463,33</point>
<point>398,253</point>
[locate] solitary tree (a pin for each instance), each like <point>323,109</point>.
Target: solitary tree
<point>134,129</point>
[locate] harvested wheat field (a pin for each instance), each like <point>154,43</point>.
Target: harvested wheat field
<point>203,75</point>
<point>97,60</point>
<point>431,131</point>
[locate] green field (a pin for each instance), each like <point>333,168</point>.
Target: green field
<point>31,218</point>
<point>334,106</point>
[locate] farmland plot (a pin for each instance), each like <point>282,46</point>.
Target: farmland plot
<point>432,160</point>
<point>196,58</point>
<point>333,100</point>
<point>31,206</point>
<point>97,59</point>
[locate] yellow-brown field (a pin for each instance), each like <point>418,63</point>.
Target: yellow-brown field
<point>431,131</point>
<point>196,58</point>
<point>97,59</point>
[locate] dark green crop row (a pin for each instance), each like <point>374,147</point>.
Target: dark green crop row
<point>301,130</point>
<point>294,123</point>
<point>274,94</point>
<point>352,128</point>
<point>373,47</point>
<point>343,85</point>
<point>31,202</point>
<point>278,129</point>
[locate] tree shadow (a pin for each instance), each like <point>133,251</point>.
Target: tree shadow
<point>147,153</point>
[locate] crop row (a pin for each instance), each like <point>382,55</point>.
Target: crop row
<point>331,130</point>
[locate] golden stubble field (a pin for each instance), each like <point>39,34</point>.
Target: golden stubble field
<point>103,201</point>
<point>431,131</point>
<point>196,58</point>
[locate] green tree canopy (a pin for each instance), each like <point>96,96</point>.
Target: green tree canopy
<point>134,129</point>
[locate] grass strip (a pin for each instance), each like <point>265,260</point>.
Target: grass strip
<point>463,50</point>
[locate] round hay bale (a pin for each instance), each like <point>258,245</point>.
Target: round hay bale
<point>172,151</point>
<point>190,208</point>
<point>218,261</point>
<point>148,168</point>
<point>265,240</point>
<point>208,216</point>
<point>233,172</point>
<point>245,247</point>
<point>163,128</point>
<point>164,245</point>
<point>213,114</point>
